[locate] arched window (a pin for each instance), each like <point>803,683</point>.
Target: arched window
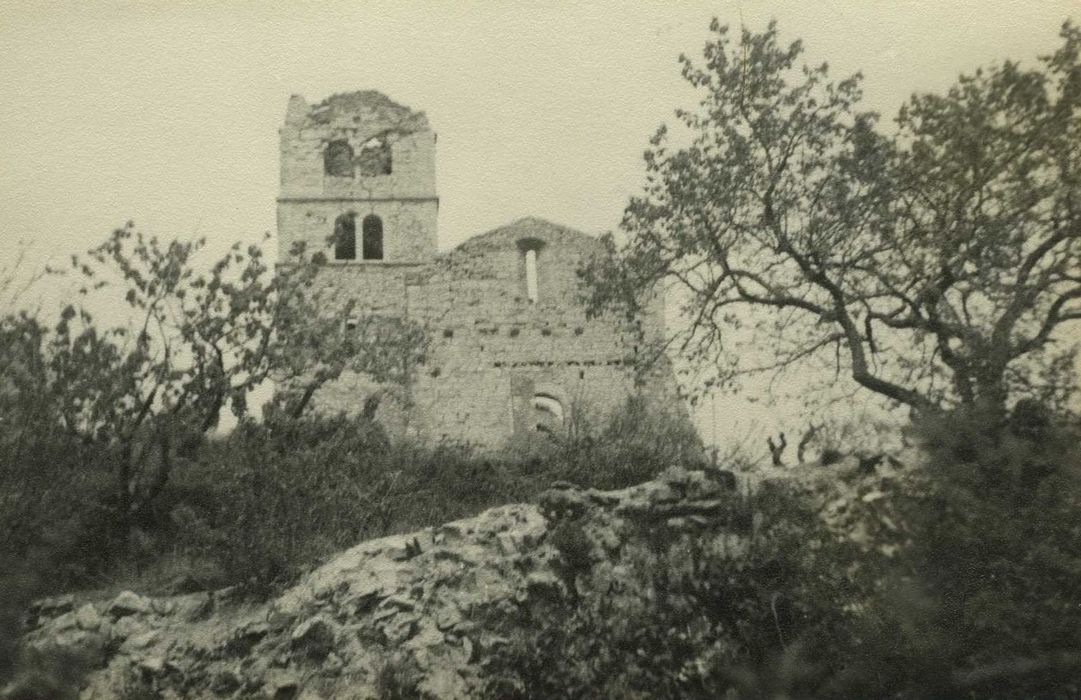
<point>345,237</point>
<point>372,229</point>
<point>374,158</point>
<point>338,159</point>
<point>547,413</point>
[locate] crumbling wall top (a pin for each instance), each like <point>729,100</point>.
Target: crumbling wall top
<point>362,108</point>
<point>529,228</point>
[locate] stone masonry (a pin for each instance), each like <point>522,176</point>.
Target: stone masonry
<point>511,350</point>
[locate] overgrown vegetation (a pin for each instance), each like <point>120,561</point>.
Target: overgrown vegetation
<point>260,506</point>
<point>979,602</point>
<point>938,267</point>
<point>640,439</point>
<point>935,266</point>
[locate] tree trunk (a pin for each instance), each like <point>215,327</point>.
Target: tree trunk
<point>989,402</point>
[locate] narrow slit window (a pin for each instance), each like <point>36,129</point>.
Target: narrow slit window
<point>531,275</point>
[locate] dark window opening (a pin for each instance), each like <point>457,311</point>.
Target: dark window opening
<point>373,237</point>
<point>338,159</point>
<point>374,158</point>
<point>345,237</point>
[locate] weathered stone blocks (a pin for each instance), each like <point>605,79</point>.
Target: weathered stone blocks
<point>502,365</point>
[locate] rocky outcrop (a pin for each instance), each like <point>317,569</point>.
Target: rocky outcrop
<point>421,610</point>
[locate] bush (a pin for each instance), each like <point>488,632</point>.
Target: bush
<point>271,500</point>
<point>996,546</point>
<point>261,505</point>
<point>979,603</point>
<point>636,442</point>
<point>686,619</point>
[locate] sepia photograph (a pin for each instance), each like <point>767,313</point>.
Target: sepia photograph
<point>373,350</point>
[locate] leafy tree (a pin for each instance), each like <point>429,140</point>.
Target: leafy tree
<point>936,267</point>
<point>200,343</point>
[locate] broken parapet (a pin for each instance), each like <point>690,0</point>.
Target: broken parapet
<point>338,145</point>
<point>368,110</point>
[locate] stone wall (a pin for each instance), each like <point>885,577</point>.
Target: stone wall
<point>405,198</point>
<point>494,349</point>
<point>408,226</point>
<point>494,352</point>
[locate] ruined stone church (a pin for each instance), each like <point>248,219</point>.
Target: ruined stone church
<point>511,352</point>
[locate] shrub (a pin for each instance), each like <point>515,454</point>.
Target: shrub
<point>272,499</point>
<point>398,679</point>
<point>996,557</point>
<point>575,552</point>
<point>636,442</point>
<point>979,602</point>
<point>689,620</point>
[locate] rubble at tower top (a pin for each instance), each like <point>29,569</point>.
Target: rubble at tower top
<point>351,109</point>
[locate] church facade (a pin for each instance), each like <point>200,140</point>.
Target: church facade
<point>511,352</point>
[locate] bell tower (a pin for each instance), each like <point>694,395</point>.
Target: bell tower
<point>358,181</point>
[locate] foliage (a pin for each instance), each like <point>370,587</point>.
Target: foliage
<point>148,394</point>
<point>273,499</point>
<point>935,267</point>
<point>996,544</point>
<point>261,505</point>
<point>637,441</point>
<point>979,601</point>
<point>686,619</point>
<point>575,553</point>
<point>398,679</point>
<point>55,674</point>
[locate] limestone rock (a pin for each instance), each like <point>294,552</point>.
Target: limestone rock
<point>53,607</point>
<point>129,603</point>
<point>88,618</point>
<point>140,641</point>
<point>314,638</point>
<point>427,598</point>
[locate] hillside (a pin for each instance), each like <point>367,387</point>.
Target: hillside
<point>424,611</point>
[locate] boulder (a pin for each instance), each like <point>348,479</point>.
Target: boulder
<point>88,618</point>
<point>314,638</point>
<point>129,603</point>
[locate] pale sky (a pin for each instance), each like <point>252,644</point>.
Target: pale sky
<point>167,112</point>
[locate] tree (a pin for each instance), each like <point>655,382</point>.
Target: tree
<point>22,404</point>
<point>936,267</point>
<point>200,343</point>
